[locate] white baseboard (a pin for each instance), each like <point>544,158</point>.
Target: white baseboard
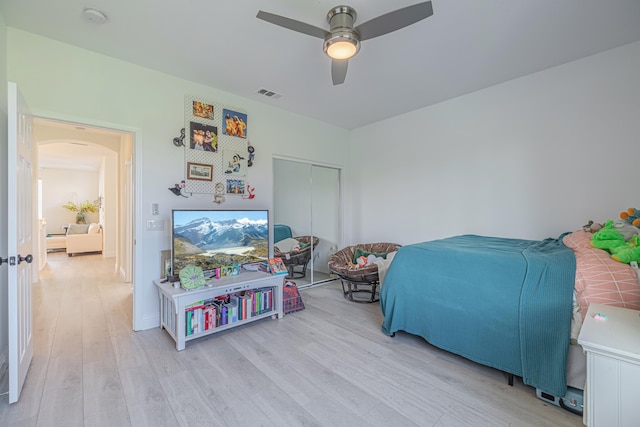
<point>149,322</point>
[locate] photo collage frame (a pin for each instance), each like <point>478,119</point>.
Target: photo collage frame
<point>216,147</point>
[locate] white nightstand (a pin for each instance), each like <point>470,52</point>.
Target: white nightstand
<point>611,338</point>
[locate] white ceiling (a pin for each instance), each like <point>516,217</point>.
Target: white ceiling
<point>465,46</point>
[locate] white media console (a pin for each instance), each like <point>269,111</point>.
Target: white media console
<point>175,302</point>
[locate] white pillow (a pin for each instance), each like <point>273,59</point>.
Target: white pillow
<point>94,229</point>
<point>286,245</point>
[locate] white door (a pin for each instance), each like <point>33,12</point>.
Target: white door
<point>19,239</point>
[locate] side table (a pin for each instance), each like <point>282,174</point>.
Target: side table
<point>611,338</point>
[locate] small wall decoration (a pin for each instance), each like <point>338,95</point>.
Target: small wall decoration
<point>203,110</point>
<point>235,186</point>
<point>199,171</point>
<point>177,189</point>
<point>178,141</point>
<point>204,137</point>
<point>218,195</point>
<point>251,151</point>
<point>250,193</point>
<point>235,123</point>
<point>234,164</point>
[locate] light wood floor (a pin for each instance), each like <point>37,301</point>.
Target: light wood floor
<point>328,365</point>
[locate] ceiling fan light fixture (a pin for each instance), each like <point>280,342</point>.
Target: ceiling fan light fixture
<point>341,46</point>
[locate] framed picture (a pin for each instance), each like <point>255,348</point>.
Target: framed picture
<point>235,123</point>
<point>203,137</point>
<point>199,171</point>
<point>235,186</point>
<point>234,163</point>
<point>203,110</point>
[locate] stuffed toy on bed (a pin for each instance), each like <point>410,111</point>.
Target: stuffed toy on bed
<point>613,241</point>
<point>607,237</point>
<point>628,252</point>
<point>631,216</point>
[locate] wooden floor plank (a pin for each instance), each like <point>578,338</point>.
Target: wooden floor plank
<point>104,401</point>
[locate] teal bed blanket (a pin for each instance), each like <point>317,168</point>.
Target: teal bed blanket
<point>504,303</point>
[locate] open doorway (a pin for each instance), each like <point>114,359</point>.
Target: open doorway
<point>78,164</point>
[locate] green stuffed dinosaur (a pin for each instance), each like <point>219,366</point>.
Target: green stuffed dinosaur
<point>629,252</point>
<point>612,241</point>
<point>607,237</point>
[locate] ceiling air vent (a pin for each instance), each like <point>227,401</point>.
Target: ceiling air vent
<point>268,93</point>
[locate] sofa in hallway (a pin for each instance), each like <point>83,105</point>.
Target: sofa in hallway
<point>84,238</point>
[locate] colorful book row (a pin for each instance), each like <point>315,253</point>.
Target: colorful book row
<point>205,315</point>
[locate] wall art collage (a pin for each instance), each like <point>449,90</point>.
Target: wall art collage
<point>217,150</point>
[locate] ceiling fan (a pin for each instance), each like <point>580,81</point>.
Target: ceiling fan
<point>342,40</point>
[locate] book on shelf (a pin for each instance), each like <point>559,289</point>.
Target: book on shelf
<point>203,316</point>
<point>276,266</point>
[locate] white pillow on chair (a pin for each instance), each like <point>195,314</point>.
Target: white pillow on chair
<point>287,245</point>
<point>94,228</point>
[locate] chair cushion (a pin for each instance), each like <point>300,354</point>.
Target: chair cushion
<point>77,229</point>
<point>280,232</point>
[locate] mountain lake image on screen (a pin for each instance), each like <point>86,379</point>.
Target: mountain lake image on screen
<point>216,238</point>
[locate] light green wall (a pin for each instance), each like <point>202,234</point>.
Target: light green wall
<point>64,82</point>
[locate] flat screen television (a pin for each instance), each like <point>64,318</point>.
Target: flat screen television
<point>211,238</point>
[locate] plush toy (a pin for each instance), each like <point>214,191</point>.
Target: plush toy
<point>607,237</point>
<point>611,240</point>
<point>628,252</point>
<point>632,216</point>
<point>363,261</point>
<point>591,227</point>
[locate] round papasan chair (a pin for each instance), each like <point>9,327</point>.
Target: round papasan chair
<point>298,258</point>
<point>357,279</point>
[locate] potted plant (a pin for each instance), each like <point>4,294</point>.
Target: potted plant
<point>81,209</point>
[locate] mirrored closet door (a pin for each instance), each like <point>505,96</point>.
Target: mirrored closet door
<point>307,202</point>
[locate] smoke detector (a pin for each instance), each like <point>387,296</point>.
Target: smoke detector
<point>95,16</point>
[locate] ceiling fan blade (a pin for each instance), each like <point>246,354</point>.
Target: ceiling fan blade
<point>292,24</point>
<point>339,71</point>
<point>395,20</point>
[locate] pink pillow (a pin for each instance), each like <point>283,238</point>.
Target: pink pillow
<point>599,278</point>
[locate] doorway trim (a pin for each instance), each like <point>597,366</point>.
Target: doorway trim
<point>137,306</point>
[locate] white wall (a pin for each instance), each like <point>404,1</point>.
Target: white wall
<point>65,82</point>
<point>3,194</point>
<point>58,186</point>
<point>107,183</point>
<point>529,158</point>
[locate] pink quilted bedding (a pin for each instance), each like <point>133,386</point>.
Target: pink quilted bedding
<point>599,278</point>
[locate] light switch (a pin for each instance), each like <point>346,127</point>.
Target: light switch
<point>155,210</point>
<point>155,225</point>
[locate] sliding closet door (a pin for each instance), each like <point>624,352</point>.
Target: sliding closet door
<point>292,196</point>
<point>307,199</point>
<point>325,216</point>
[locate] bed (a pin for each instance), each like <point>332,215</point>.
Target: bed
<point>510,304</point>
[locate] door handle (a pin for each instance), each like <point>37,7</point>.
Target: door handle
<point>3,260</point>
<point>28,259</point>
